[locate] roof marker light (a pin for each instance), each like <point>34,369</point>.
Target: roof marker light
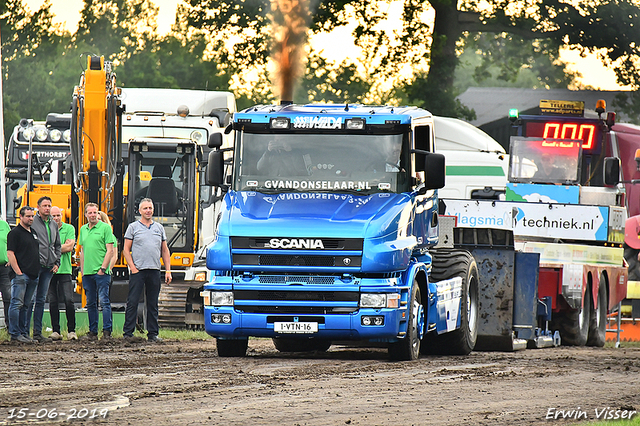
<point>354,124</point>
<point>183,110</point>
<point>279,123</point>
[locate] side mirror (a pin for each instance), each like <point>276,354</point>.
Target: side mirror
<point>434,171</point>
<point>611,171</point>
<point>222,115</point>
<point>215,140</point>
<point>215,169</point>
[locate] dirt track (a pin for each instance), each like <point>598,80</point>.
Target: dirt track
<point>180,383</point>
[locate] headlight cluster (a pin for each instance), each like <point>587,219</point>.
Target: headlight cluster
<point>375,320</point>
<point>43,134</point>
<point>221,318</point>
<point>379,300</point>
<point>217,298</point>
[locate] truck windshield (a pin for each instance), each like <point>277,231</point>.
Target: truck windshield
<point>317,163</point>
<point>537,160</point>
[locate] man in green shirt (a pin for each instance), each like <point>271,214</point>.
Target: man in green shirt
<point>61,286</point>
<point>96,245</point>
<point>5,281</point>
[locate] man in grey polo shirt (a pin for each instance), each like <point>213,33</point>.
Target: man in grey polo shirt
<point>145,242</point>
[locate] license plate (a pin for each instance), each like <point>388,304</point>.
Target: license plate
<point>295,327</point>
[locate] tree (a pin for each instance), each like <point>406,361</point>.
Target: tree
<point>505,60</point>
<point>523,31</point>
<point>117,29</point>
<point>36,65</point>
<point>327,82</point>
<point>610,25</point>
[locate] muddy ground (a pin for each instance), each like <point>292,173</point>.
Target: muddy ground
<point>184,382</point>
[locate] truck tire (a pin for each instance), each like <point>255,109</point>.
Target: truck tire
<point>408,348</point>
<point>598,318</point>
<point>446,264</point>
<point>232,347</point>
<point>283,344</point>
<point>574,325</point>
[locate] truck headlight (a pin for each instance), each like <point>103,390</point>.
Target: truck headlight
<point>196,136</point>
<point>373,300</point>
<point>379,300</point>
<point>222,298</point>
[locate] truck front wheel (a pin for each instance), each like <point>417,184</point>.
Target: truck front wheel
<point>408,349</point>
<point>450,263</point>
<point>598,319</point>
<point>232,348</point>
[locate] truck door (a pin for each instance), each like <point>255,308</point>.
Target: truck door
<point>425,224</point>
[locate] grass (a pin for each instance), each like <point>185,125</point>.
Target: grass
<point>165,333</point>
<point>635,421</point>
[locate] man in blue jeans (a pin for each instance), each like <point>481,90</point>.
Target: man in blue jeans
<point>96,245</point>
<point>145,242</point>
<point>5,269</point>
<point>49,250</point>
<point>22,244</point>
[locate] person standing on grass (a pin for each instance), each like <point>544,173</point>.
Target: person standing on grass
<point>103,217</point>
<point>96,249</point>
<point>22,249</point>
<point>50,250</point>
<point>145,242</point>
<point>61,287</point>
<point>5,279</point>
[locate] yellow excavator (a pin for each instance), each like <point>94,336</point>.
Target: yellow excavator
<point>128,144</point>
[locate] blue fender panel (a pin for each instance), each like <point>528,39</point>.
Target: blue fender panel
<point>525,299</point>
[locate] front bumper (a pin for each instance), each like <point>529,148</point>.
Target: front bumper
<point>331,327</point>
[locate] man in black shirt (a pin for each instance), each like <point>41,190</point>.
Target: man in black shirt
<point>22,249</point>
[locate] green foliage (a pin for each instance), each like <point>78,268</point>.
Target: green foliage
<point>42,63</point>
<point>506,60</point>
<point>629,103</point>
<point>227,44</point>
<point>327,83</point>
<point>36,65</point>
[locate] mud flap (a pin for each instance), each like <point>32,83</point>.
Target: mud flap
<point>508,298</point>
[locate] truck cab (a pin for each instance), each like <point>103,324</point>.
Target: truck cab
<point>325,229</point>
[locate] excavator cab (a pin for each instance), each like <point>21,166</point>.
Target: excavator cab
<point>172,187</point>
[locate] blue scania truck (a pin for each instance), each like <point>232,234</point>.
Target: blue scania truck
<point>327,233</point>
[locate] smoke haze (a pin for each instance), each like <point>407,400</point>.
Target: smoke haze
<point>290,22</point>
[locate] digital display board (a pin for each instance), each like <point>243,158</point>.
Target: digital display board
<point>586,130</point>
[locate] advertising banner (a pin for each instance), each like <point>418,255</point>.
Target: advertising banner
<point>562,221</point>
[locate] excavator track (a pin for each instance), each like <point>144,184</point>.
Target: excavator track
<point>176,309</point>
<point>172,303</point>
